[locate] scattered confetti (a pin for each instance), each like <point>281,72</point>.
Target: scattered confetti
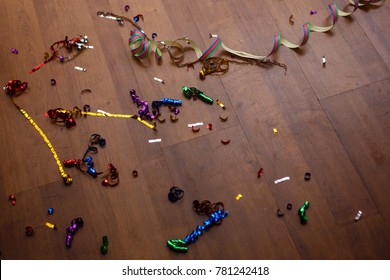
<point>260,173</point>
<point>323,61</point>
<point>111,176</point>
<point>173,118</point>
<point>159,80</point>
<point>127,7</point>
<point>154,35</point>
<point>282,180</point>
<point>14,51</point>
<point>175,194</point>
<point>302,212</point>
<point>103,248</point>
<point>191,92</point>
<point>289,206</point>
<point>135,173</point>
<point>29,231</point>
<point>138,17</point>
<point>154,140</point>
<point>195,130</point>
<point>307,176</point>
<point>220,104</point>
<point>209,126</point>
<point>291,20</point>
<point>180,245</point>
<point>313,12</point>
<point>279,213</point>
<point>50,211</point>
<point>76,224</point>
<point>13,199</point>
<point>275,130</point>
<point>86,90</point>
<point>80,68</point>
<point>195,124</point>
<point>50,225</point>
<point>239,196</point>
<point>53,82</point>
<point>212,35</point>
<point>358,215</point>
<point>225,142</point>
<point>223,118</point>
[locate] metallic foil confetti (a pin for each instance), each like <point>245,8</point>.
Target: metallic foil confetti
<point>180,245</point>
<point>50,211</point>
<point>358,215</point>
<point>302,212</point>
<point>75,225</point>
<point>239,196</point>
<point>154,140</point>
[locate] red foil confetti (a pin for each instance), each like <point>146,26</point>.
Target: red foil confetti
<point>260,173</point>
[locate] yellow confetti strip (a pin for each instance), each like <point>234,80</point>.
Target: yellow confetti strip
<point>239,196</point>
<point>152,126</point>
<point>50,225</point>
<point>275,130</point>
<point>66,177</point>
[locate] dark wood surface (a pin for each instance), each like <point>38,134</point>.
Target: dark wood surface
<point>332,121</point>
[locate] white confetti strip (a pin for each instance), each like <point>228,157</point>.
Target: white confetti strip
<point>195,124</point>
<point>154,140</point>
<point>282,180</point>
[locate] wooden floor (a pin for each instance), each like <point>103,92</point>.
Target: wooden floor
<point>331,121</point>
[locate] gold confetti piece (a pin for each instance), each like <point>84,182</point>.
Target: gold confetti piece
<point>50,225</point>
<point>220,104</point>
<point>275,130</point>
<point>239,196</point>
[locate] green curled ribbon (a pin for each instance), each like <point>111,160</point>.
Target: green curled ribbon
<point>177,245</point>
<point>302,212</point>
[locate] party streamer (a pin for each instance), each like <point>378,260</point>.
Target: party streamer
<point>12,89</point>
<point>140,44</point>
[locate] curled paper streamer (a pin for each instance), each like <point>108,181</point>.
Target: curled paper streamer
<point>180,245</point>
<point>12,89</point>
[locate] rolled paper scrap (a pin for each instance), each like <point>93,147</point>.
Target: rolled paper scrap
<point>80,68</point>
<point>135,173</point>
<point>302,212</point>
<point>289,206</point>
<point>53,82</point>
<point>159,80</point>
<point>225,142</point>
<point>307,176</point>
<point>358,215</point>
<point>282,180</point>
<point>194,124</point>
<point>239,196</point>
<point>154,140</point>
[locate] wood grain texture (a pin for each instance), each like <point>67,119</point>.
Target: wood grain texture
<point>332,121</point>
